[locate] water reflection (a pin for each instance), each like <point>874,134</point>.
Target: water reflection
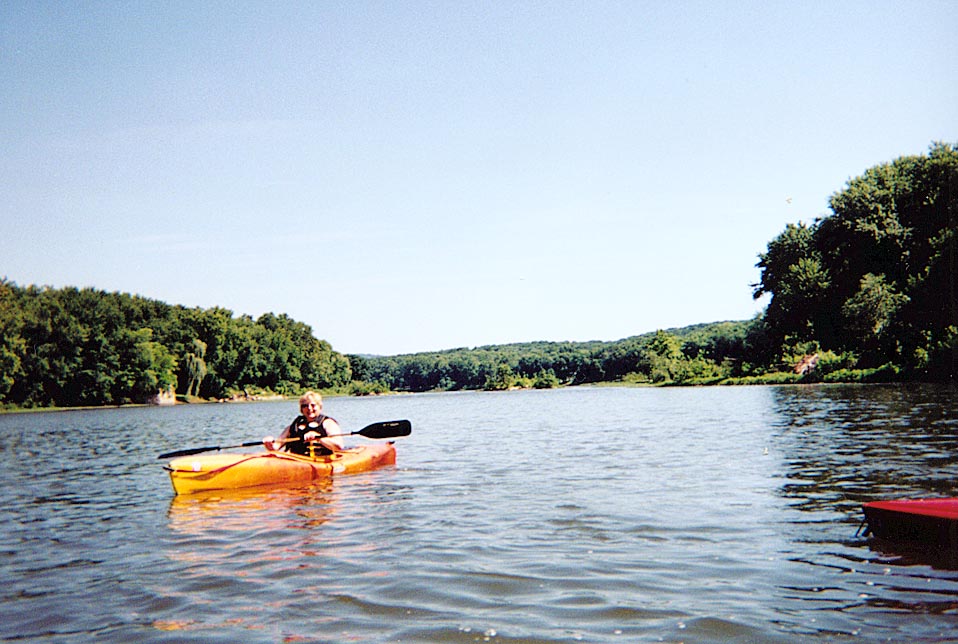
<point>842,446</point>
<point>846,445</point>
<point>909,554</point>
<point>267,508</point>
<point>697,515</point>
<point>242,544</point>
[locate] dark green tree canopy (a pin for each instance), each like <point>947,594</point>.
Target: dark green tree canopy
<point>65,347</point>
<point>878,276</point>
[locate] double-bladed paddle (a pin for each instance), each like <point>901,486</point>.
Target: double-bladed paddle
<point>387,429</point>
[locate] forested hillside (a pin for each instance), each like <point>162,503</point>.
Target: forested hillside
<point>699,352</point>
<point>869,292</point>
<point>68,347</point>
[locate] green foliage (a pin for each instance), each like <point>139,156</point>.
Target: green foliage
<point>545,380</point>
<point>503,378</point>
<point>702,349</point>
<point>792,271</point>
<point>143,367</point>
<point>878,276</point>
<point>872,309</point>
<point>870,289</point>
<point>12,345</point>
<point>884,373</point>
<point>72,347</point>
<point>770,378</point>
<point>196,367</point>
<point>664,356</point>
<point>672,362</point>
<point>830,362</point>
<point>361,388</point>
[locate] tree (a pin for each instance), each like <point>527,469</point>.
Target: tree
<point>545,380</point>
<point>196,365</point>
<point>12,344</point>
<point>871,312</point>
<point>794,275</point>
<point>86,347</point>
<point>878,276</point>
<point>502,379</point>
<point>664,353</point>
<point>145,367</point>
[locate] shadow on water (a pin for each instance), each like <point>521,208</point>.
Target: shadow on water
<point>903,553</point>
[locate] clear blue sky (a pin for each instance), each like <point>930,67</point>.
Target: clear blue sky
<point>411,176</point>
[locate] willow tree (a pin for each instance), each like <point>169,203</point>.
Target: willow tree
<point>196,367</point>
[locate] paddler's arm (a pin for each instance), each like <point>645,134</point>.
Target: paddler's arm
<point>273,444</point>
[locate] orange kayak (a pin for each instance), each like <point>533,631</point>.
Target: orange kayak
<point>200,473</point>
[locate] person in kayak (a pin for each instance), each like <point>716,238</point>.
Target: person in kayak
<point>311,426</point>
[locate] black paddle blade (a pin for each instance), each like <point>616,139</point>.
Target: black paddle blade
<point>389,429</point>
<point>187,452</point>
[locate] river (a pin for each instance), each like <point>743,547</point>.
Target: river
<point>719,514</point>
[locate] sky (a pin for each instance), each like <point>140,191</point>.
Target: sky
<point>417,176</point>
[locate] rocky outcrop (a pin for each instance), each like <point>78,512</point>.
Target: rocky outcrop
<point>807,364</point>
<point>167,397</point>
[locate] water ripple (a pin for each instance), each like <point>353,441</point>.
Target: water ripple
<point>693,515</point>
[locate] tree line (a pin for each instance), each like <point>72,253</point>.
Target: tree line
<point>869,291</point>
<point>85,347</point>
<point>648,357</point>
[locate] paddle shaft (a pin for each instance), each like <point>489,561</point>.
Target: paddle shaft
<point>387,429</point>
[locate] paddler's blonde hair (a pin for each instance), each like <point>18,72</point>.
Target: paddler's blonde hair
<point>313,397</point>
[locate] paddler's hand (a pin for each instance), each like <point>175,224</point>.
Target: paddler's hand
<point>328,443</point>
<point>270,443</point>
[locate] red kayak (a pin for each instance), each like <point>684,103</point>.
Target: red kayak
<point>926,521</point>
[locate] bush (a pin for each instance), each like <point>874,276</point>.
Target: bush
<point>545,380</point>
<point>831,362</point>
<point>885,373</point>
<point>771,378</point>
<point>360,388</point>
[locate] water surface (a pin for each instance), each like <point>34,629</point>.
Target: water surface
<point>581,514</point>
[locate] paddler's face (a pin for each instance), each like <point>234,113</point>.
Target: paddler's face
<point>310,409</point>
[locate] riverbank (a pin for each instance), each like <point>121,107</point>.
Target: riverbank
<point>882,375</point>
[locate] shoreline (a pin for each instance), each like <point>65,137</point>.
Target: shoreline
<point>280,397</point>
